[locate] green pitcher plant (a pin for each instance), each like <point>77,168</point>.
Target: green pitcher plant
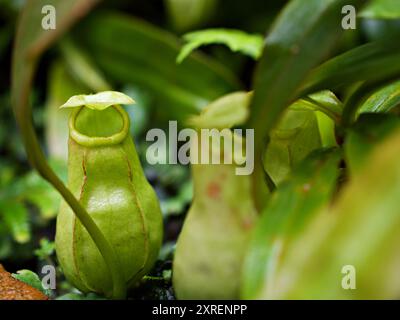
<point>212,244</point>
<point>105,175</point>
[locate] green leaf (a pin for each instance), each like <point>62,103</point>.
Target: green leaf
<point>324,101</point>
<point>301,37</point>
<point>226,112</point>
<point>362,138</point>
<point>361,229</point>
<point>370,62</point>
<point>382,99</point>
<point>301,130</point>
<point>326,130</point>
<point>238,41</point>
<point>16,218</point>
<point>99,101</point>
<point>145,57</point>
<point>293,139</point>
<point>31,278</point>
<point>381,9</point>
<point>294,203</point>
<point>46,249</point>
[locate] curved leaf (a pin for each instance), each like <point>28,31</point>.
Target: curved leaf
<point>294,203</point>
<point>360,230</point>
<point>297,42</point>
<point>301,37</point>
<point>237,40</point>
<point>31,278</point>
<point>295,137</point>
<point>324,101</point>
<point>383,99</point>
<point>370,62</point>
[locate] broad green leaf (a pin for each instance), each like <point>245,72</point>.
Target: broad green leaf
<point>301,37</point>
<point>293,139</point>
<point>360,230</point>
<point>144,56</point>
<point>381,9</point>
<point>361,94</point>
<point>295,202</point>
<point>16,218</point>
<point>31,278</point>
<point>362,138</point>
<point>328,110</point>
<point>226,112</point>
<point>98,101</point>
<point>237,40</point>
<point>383,99</point>
<point>324,101</point>
<point>370,62</point>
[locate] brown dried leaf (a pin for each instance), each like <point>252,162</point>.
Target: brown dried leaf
<point>13,289</point>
